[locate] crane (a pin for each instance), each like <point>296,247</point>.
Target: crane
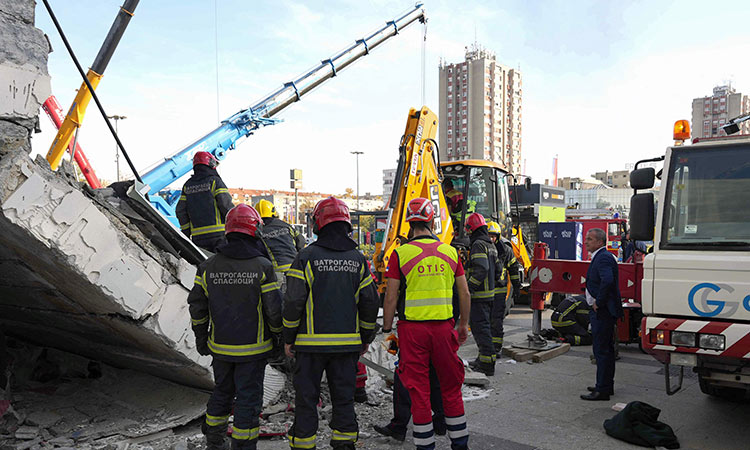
<point>243,123</point>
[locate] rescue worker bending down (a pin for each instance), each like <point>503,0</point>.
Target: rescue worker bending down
<point>455,200</point>
<point>422,275</point>
<point>330,309</point>
<point>483,269</point>
<point>281,239</point>
<point>204,203</point>
<point>571,320</point>
<point>510,273</point>
<point>235,307</point>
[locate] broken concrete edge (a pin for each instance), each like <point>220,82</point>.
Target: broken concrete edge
<point>93,265</point>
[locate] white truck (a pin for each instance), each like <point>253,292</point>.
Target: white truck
<point>696,283</point>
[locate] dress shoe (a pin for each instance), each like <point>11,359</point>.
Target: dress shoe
<point>593,389</point>
<point>387,431</point>
<point>595,396</point>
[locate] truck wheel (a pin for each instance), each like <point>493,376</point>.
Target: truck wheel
<point>724,392</point>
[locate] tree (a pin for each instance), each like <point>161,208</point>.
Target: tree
<point>349,192</point>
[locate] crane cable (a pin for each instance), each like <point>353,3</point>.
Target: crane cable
<point>424,57</point>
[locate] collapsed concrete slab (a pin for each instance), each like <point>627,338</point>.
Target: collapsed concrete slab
<point>75,273</point>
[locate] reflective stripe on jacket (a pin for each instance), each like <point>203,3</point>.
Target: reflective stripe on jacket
<point>235,306</point>
<point>428,268</point>
<point>331,301</point>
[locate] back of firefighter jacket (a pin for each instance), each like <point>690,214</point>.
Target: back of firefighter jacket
<point>331,301</point>
<point>235,304</point>
<point>203,205</point>
<point>283,242</point>
<point>510,267</point>
<point>484,266</point>
<point>571,311</point>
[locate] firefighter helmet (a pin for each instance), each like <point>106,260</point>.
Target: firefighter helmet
<point>266,209</point>
<point>243,219</point>
<point>206,159</point>
<point>494,227</point>
<point>475,221</point>
<point>420,210</point>
<point>330,210</point>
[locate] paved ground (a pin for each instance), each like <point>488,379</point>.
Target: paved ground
<point>537,406</point>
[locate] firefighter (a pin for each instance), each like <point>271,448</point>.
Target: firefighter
<point>281,239</point>
<point>454,198</point>
<point>237,294</point>
<point>204,203</point>
<point>511,271</point>
<point>422,275</point>
<point>483,267</point>
<point>571,320</point>
<point>330,309</point>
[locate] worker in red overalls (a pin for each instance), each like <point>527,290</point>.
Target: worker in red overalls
<point>421,277</point>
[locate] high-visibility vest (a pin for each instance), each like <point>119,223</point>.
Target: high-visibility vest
<point>429,268</point>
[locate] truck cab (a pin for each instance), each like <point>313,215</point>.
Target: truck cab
<point>696,283</point>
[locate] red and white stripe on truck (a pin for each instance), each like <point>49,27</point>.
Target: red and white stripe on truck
<point>726,339</point>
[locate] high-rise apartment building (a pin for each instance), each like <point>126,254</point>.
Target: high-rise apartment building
<point>389,177</point>
<point>710,113</point>
<point>480,110</point>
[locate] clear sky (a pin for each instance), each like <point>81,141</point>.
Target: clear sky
<point>603,81</point>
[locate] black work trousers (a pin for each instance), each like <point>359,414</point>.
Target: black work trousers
<point>575,334</point>
<point>498,316</point>
<point>479,320</point>
<point>239,385</point>
<point>341,373</point>
<point>402,405</point>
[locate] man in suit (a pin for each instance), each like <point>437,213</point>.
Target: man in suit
<point>603,295</point>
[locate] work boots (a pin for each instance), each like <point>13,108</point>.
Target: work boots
<point>483,367</point>
<point>360,395</point>
<point>216,437</point>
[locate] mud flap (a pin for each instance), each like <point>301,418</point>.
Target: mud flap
<point>668,380</point>
<point>184,246</point>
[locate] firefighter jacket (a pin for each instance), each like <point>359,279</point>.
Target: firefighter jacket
<point>331,302</point>
<point>203,205</point>
<point>282,241</point>
<point>484,266</point>
<point>427,272</point>
<point>235,304</point>
<point>511,269</point>
<point>571,311</point>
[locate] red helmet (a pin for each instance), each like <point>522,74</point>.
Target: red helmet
<point>330,210</point>
<point>475,221</point>
<point>243,219</point>
<point>420,210</point>
<point>205,158</point>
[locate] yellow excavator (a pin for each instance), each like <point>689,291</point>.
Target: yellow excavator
<point>456,188</point>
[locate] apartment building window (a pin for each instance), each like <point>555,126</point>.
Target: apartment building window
<point>464,112</point>
<point>463,103</point>
<point>450,96</point>
<point>450,131</point>
<point>464,94</point>
<point>463,130</point>
<point>463,121</point>
<point>450,88</point>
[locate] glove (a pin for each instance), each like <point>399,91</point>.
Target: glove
<point>392,344</point>
<point>202,347</point>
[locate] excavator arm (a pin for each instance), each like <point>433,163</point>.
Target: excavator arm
<point>417,175</point>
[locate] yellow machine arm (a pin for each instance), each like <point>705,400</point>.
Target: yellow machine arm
<point>74,119</point>
<point>519,248</point>
<point>417,175</point>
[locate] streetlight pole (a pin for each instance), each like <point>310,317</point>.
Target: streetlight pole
<point>359,228</point>
<point>357,155</point>
<point>117,118</point>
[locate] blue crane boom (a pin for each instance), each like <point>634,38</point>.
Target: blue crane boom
<point>262,113</point>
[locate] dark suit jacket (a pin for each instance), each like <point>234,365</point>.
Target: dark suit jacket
<point>603,283</point>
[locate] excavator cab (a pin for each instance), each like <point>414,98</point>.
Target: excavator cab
<point>475,186</point>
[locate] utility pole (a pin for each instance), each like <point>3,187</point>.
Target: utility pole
<point>117,118</point>
<point>295,182</point>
